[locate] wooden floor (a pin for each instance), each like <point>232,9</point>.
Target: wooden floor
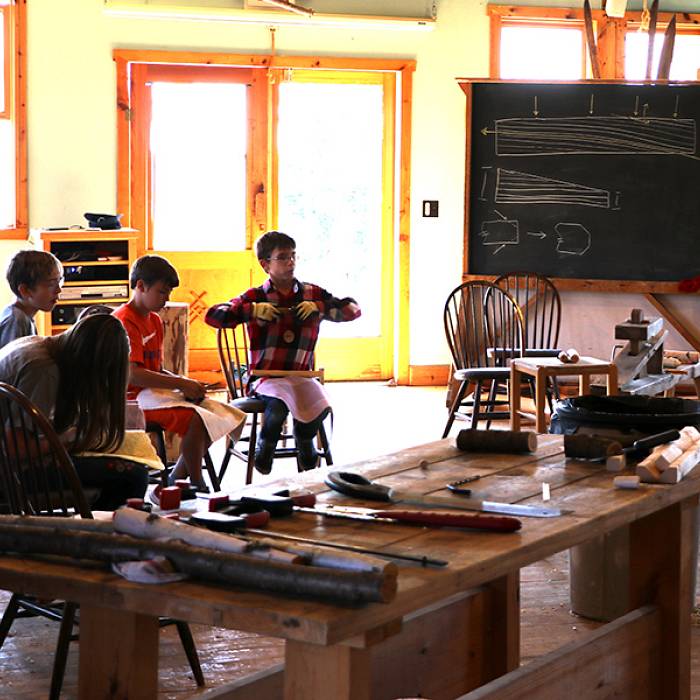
<point>371,419</point>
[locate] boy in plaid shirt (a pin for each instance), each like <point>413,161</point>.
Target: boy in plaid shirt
<point>283,318</point>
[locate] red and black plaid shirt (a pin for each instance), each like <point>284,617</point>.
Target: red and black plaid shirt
<point>287,342</point>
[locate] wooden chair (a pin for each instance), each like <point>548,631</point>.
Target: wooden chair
<point>484,331</point>
<point>37,477</point>
<point>232,344</point>
<point>540,304</point>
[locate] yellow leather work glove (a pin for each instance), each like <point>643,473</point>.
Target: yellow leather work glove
<point>264,311</point>
<point>304,309</point>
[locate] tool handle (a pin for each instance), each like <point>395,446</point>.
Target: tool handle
<point>654,440</point>
<point>302,499</point>
<point>275,505</point>
<point>499,523</point>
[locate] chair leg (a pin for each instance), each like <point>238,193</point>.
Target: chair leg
<point>455,405</point>
<point>491,406</point>
<point>59,663</point>
<point>226,459</point>
<point>9,616</point>
<point>215,483</point>
<point>183,629</point>
<point>476,409</point>
<point>251,449</point>
<point>325,445</point>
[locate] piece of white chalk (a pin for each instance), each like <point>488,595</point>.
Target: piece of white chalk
<point>626,482</point>
<point>545,491</point>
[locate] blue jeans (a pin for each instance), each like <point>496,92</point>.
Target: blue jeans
<point>276,412</point>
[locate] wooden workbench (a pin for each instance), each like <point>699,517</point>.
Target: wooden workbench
<point>448,630</point>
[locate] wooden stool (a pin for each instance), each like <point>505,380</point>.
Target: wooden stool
<point>543,367</point>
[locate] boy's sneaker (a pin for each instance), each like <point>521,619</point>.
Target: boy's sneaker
<point>264,454</point>
<point>308,456</point>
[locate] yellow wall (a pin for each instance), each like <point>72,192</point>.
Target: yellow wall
<point>72,144</point>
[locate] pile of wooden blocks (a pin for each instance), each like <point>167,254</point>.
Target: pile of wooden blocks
<point>669,463</point>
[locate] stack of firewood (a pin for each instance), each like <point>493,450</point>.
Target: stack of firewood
<point>669,463</point>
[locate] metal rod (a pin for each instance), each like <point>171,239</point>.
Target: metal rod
<point>388,554</point>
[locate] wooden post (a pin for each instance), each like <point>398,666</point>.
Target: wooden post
<point>118,655</point>
<point>339,672</point>
<point>502,629</point>
<point>661,559</point>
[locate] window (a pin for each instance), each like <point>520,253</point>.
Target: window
<point>548,43</point>
<point>686,55</point>
<point>527,51</point>
<point>198,174</point>
<point>13,147</point>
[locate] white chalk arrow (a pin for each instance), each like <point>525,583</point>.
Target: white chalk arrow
<point>538,234</point>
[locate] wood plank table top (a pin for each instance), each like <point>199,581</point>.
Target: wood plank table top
<point>475,558</point>
<point>530,365</point>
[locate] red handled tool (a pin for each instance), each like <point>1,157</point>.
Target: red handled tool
<point>430,518</point>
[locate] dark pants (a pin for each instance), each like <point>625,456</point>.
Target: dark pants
<point>276,412</point>
<point>117,480</point>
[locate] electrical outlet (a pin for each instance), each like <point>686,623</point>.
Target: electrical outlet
<point>430,208</point>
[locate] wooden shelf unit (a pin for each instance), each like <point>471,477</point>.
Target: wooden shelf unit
<point>90,258</point>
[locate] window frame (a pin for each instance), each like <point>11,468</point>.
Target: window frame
<point>128,142</point>
<point>15,24</point>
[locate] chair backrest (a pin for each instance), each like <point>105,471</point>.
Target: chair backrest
<point>483,326</point>
<point>232,344</point>
<point>37,477</point>
<point>540,304</point>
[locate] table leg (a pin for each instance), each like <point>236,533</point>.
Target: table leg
<point>502,652</point>
<point>584,384</point>
<point>612,386</point>
<point>515,379</point>
<point>339,672</point>
<point>662,554</point>
<point>118,654</point>
<point>540,401</point>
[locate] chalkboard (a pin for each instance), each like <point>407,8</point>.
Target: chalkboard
<point>586,181</point>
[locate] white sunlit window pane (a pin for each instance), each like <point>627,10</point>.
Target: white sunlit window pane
<point>686,56</point>
<point>330,191</point>
<point>3,58</point>
<point>534,53</point>
<point>198,152</point>
<point>7,174</point>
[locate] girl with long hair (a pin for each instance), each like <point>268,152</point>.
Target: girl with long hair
<point>78,380</point>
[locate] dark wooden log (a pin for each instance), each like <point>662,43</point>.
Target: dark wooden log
<point>590,447</point>
<point>237,569</point>
<point>508,441</point>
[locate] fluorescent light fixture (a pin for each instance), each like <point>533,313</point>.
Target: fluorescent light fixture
<point>285,5</point>
<point>126,9</point>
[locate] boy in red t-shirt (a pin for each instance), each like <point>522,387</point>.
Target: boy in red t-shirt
<point>152,279</point>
